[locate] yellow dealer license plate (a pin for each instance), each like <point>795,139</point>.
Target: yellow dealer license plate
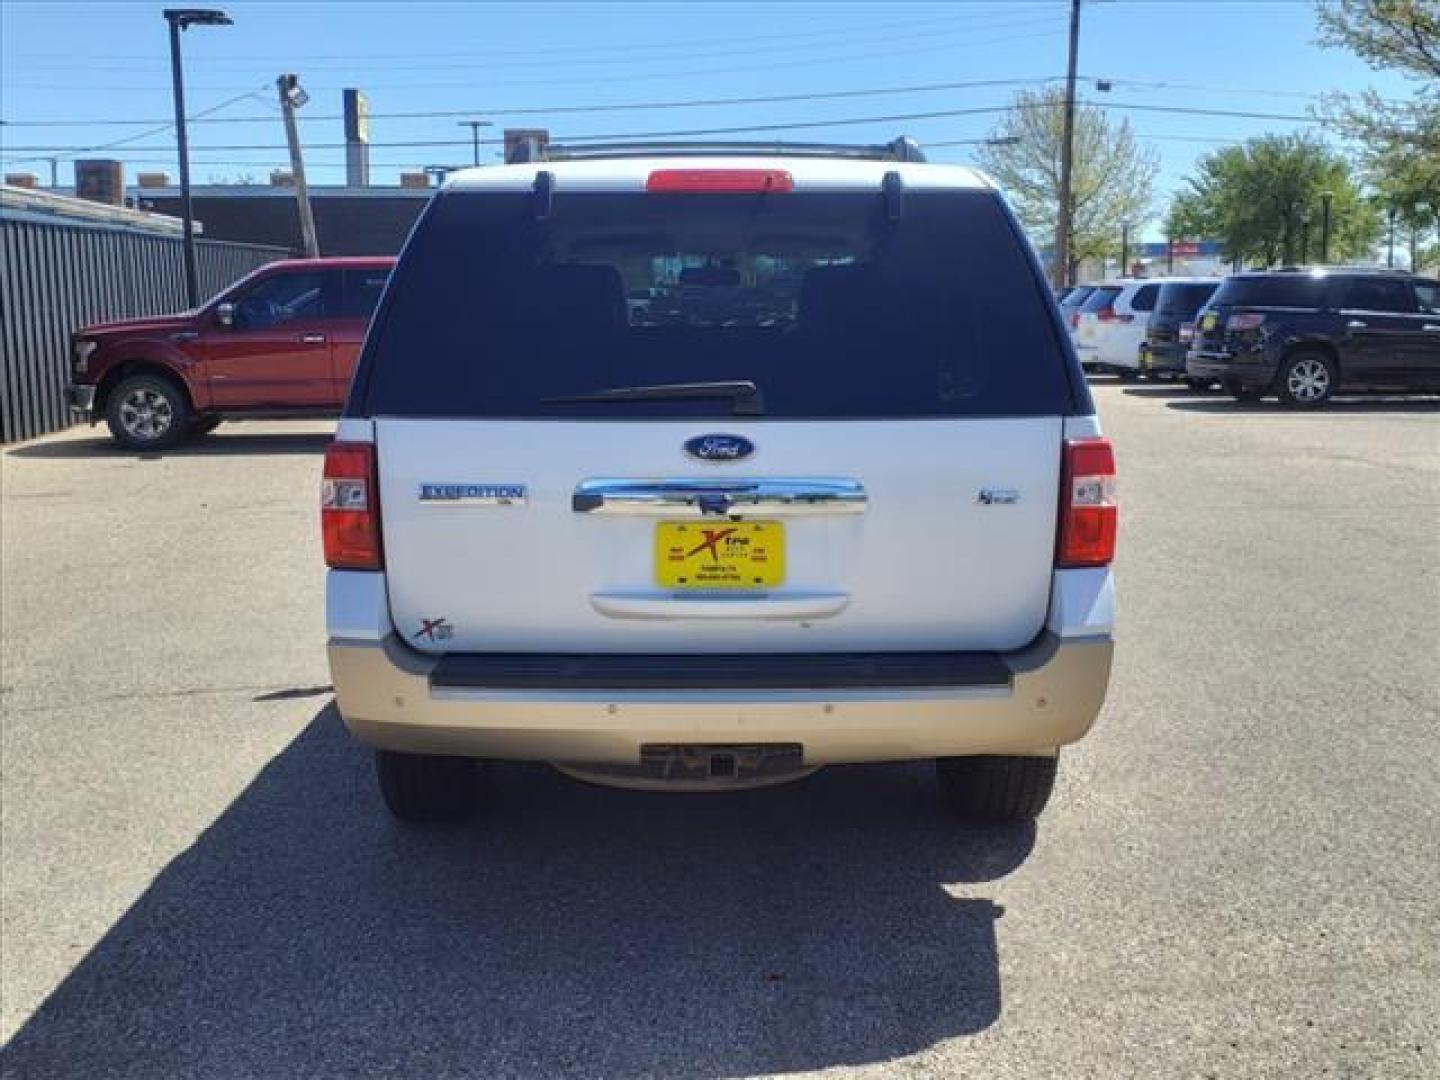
<point>719,555</point>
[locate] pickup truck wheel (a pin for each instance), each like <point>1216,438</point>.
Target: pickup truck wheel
<point>147,412</point>
<point>1240,392</point>
<point>430,787</point>
<point>996,789</point>
<point>1199,385</point>
<point>203,425</point>
<point>1307,379</point>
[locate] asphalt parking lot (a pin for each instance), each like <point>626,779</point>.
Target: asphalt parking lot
<point>1238,877</point>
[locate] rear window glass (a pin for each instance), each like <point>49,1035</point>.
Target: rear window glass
<point>1180,301</point>
<point>829,307</point>
<point>1144,298</point>
<point>1101,298</point>
<point>1077,296</point>
<point>1279,290</point>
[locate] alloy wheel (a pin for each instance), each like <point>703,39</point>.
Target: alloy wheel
<point>1308,380</point>
<point>146,414</point>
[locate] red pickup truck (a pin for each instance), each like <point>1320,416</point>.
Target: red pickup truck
<point>281,342</point>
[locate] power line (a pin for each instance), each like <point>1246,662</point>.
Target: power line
<point>609,58</point>
<point>558,110</point>
<point>794,125</point>
<point>529,51</point>
<point>648,76</point>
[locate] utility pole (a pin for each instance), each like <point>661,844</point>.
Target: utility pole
<point>1390,257</point>
<point>475,126</point>
<point>293,97</point>
<point>1067,153</point>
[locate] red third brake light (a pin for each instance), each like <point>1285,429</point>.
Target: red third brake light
<point>1088,510</point>
<point>719,181</point>
<point>350,507</point>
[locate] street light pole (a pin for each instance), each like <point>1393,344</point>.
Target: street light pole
<point>1124,248</point>
<point>1067,153</point>
<point>182,19</point>
<point>1390,256</point>
<point>475,126</point>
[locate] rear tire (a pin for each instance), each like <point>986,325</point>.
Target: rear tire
<point>431,787</point>
<point>1307,379</point>
<point>1241,392</point>
<point>148,412</point>
<point>1200,386</point>
<point>996,788</point>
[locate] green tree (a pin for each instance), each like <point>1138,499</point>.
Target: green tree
<point>1264,201</point>
<point>1399,142</point>
<point>1112,176</point>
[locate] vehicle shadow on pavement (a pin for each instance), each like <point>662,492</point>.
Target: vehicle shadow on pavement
<point>1339,406</point>
<point>574,931</point>
<point>221,443</point>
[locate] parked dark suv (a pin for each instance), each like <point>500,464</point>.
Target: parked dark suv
<point>1306,334</point>
<point>1171,327</point>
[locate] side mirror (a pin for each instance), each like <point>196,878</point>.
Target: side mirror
<point>225,314</point>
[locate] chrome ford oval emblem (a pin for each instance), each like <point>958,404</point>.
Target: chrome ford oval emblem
<point>719,447</point>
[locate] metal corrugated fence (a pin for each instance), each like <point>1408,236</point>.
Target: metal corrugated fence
<point>57,276</point>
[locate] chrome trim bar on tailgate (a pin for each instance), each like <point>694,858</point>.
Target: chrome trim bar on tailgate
<point>691,497</point>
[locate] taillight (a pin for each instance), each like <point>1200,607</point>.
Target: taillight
<point>350,507</point>
<point>1244,320</point>
<point>1187,332</point>
<point>1088,511</point>
<point>721,181</point>
<point>1074,319</point>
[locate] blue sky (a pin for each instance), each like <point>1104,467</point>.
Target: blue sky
<point>109,62</point>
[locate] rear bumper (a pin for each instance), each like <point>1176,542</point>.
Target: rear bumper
<point>597,712</point>
<point>1250,368</point>
<point>1162,358</point>
<point>1052,696</point>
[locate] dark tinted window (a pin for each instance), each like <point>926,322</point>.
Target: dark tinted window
<point>1101,298</point>
<point>1144,298</point>
<point>1272,290</point>
<point>1077,296</point>
<point>1180,300</point>
<point>832,309</point>
<point>1378,294</point>
<point>280,299</point>
<point>362,292</point>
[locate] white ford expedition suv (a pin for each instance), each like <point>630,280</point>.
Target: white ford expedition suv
<point>699,468</point>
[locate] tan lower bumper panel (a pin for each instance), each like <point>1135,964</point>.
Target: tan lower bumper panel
<point>1056,688</point>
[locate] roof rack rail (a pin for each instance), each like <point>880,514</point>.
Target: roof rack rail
<point>901,149</point>
<point>1349,268</point>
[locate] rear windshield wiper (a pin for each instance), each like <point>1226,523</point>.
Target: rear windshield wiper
<point>745,395</point>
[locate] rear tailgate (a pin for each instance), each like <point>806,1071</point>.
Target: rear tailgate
<point>895,472</point>
<point>951,547</point>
